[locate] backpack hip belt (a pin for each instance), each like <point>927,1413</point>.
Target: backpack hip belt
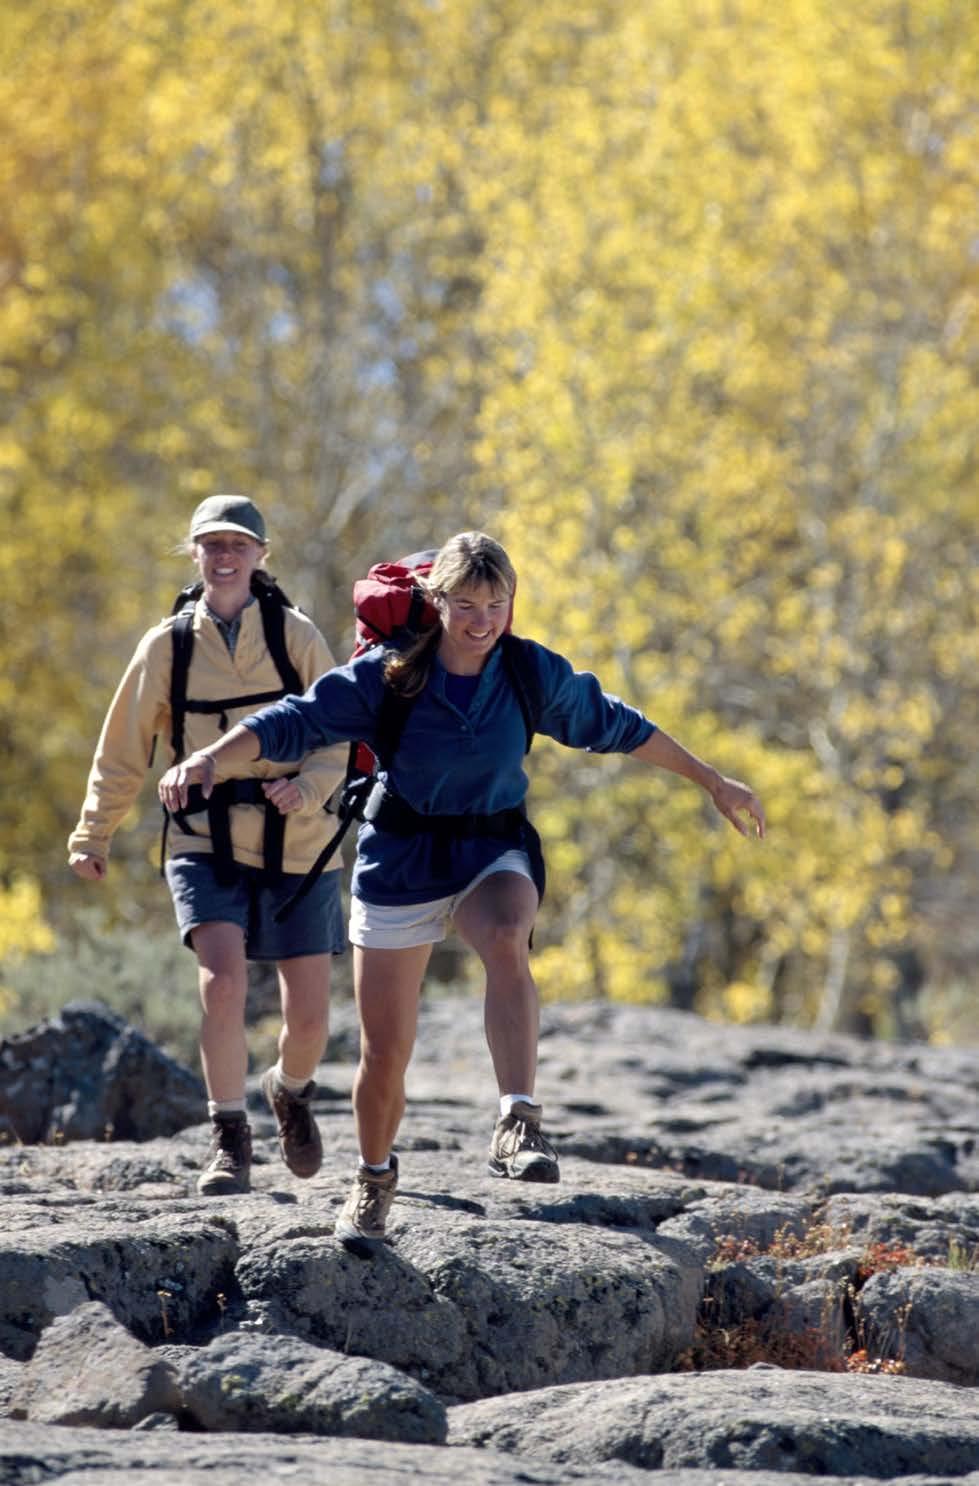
<point>388,812</point>
<point>218,809</point>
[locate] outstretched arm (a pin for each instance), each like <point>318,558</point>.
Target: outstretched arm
<point>732,798</point>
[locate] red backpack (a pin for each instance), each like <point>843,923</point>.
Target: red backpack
<point>390,607</point>
<point>389,604</point>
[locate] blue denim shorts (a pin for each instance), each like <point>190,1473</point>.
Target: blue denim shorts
<point>314,927</point>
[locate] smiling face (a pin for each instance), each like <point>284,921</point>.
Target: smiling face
<point>226,561</point>
<point>474,617</point>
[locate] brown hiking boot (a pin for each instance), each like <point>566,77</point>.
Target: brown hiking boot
<point>299,1136</point>
<point>360,1226</point>
<point>518,1149</point>
<point>229,1160</point>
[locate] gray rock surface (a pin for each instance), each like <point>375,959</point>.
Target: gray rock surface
<point>929,1316</point>
<point>256,1384</point>
<point>764,1419</point>
<point>476,1305</point>
<point>31,1454</point>
<point>728,1196</point>
<point>83,1075</point>
<point>87,1369</point>
<point>160,1275</point>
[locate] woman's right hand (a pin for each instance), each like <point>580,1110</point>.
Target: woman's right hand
<point>83,864</point>
<point>196,768</point>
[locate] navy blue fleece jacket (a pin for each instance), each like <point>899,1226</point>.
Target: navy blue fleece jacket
<point>449,762</point>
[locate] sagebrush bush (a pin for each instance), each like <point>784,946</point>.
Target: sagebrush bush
<point>145,976</point>
<point>150,979</point>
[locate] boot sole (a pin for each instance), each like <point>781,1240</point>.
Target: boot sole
<point>359,1243</point>
<point>306,1172</point>
<point>542,1172</point>
<point>223,1189</point>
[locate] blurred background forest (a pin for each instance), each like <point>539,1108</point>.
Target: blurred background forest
<point>680,300</point>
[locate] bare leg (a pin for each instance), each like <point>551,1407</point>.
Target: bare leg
<point>304,985</point>
<point>496,919</point>
<point>387,983</point>
<point>223,981</point>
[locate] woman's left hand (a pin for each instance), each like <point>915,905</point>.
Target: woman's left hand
<point>734,799</point>
<point>285,794</point>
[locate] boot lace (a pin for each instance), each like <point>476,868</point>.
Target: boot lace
<point>524,1135</point>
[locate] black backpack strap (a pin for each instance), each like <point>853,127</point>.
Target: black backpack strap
<point>182,644</point>
<point>312,876</point>
<point>273,604</point>
<point>222,707</point>
<point>522,670</point>
<point>392,716</point>
<point>188,596</point>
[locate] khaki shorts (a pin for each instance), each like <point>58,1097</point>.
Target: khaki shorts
<point>404,925</point>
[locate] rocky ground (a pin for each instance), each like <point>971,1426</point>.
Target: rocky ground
<point>762,1261</point>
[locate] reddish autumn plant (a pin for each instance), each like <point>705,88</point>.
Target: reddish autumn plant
<point>860,1362</point>
<point>818,1348</point>
<point>882,1256</point>
<point>741,1346</point>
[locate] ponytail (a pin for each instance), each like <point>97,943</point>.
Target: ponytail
<point>407,671</point>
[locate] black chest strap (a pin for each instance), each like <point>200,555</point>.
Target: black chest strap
<point>218,807</point>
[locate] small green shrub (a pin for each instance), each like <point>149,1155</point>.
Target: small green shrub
<point>145,976</point>
<point>149,979</point>
<point>961,1257</point>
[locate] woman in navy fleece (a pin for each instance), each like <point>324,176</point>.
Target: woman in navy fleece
<point>461,756</point>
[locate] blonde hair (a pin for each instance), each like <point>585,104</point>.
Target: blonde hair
<point>470,557</point>
<point>467,558</point>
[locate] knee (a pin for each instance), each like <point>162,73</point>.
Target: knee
<point>384,1062</point>
<point>507,938</point>
<point>307,1021</point>
<point>220,989</point>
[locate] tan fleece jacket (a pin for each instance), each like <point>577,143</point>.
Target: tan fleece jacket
<point>140,711</point>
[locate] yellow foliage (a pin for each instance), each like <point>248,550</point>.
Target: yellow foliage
<point>23,927</point>
<point>675,300</point>
<point>744,1002</point>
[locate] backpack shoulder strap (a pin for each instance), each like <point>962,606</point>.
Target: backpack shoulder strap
<point>520,666</point>
<point>188,596</point>
<point>182,644</point>
<point>358,784</point>
<point>273,604</point>
<point>393,714</point>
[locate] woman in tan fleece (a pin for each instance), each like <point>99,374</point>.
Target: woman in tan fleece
<point>229,869</point>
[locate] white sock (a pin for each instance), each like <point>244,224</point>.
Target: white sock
<point>384,1166</point>
<point>217,1107</point>
<point>507,1101</point>
<point>292,1085</point>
